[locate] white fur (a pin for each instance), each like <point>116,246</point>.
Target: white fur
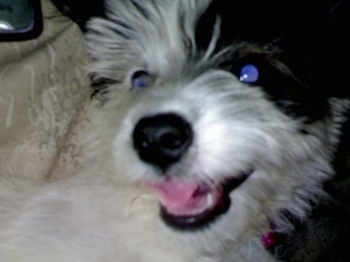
<point>105,214</point>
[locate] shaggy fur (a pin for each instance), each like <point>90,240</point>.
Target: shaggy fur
<point>271,134</point>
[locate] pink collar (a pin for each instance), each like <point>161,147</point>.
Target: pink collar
<point>269,240</point>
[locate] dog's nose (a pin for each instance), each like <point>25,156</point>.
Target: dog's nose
<point>162,139</point>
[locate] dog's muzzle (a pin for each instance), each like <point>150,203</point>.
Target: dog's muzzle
<point>188,204</point>
<point>161,140</point>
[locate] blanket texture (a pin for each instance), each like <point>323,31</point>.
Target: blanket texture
<point>43,100</point>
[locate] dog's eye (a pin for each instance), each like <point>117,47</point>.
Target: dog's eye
<point>249,73</point>
<point>140,80</point>
<point>251,69</point>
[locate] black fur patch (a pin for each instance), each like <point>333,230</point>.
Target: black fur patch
<point>301,48</point>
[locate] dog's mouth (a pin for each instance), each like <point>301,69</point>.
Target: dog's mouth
<point>189,205</point>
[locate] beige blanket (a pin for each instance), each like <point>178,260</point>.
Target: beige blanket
<point>44,96</point>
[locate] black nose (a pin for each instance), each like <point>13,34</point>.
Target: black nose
<point>162,139</point>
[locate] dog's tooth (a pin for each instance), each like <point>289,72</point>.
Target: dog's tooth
<point>210,200</point>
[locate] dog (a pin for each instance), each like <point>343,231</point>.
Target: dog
<point>220,123</point>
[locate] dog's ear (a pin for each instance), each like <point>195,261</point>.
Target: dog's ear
<point>249,20</point>
<point>339,47</point>
<point>318,48</point>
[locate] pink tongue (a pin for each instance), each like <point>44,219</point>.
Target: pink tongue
<point>174,193</point>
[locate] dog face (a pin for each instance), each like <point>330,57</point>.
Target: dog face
<point>227,114</point>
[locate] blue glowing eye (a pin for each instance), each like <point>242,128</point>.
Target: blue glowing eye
<point>249,74</point>
<point>140,80</point>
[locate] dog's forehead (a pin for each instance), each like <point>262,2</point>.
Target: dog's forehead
<point>160,33</point>
<point>170,38</point>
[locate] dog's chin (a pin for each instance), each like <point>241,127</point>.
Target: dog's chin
<point>191,206</point>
